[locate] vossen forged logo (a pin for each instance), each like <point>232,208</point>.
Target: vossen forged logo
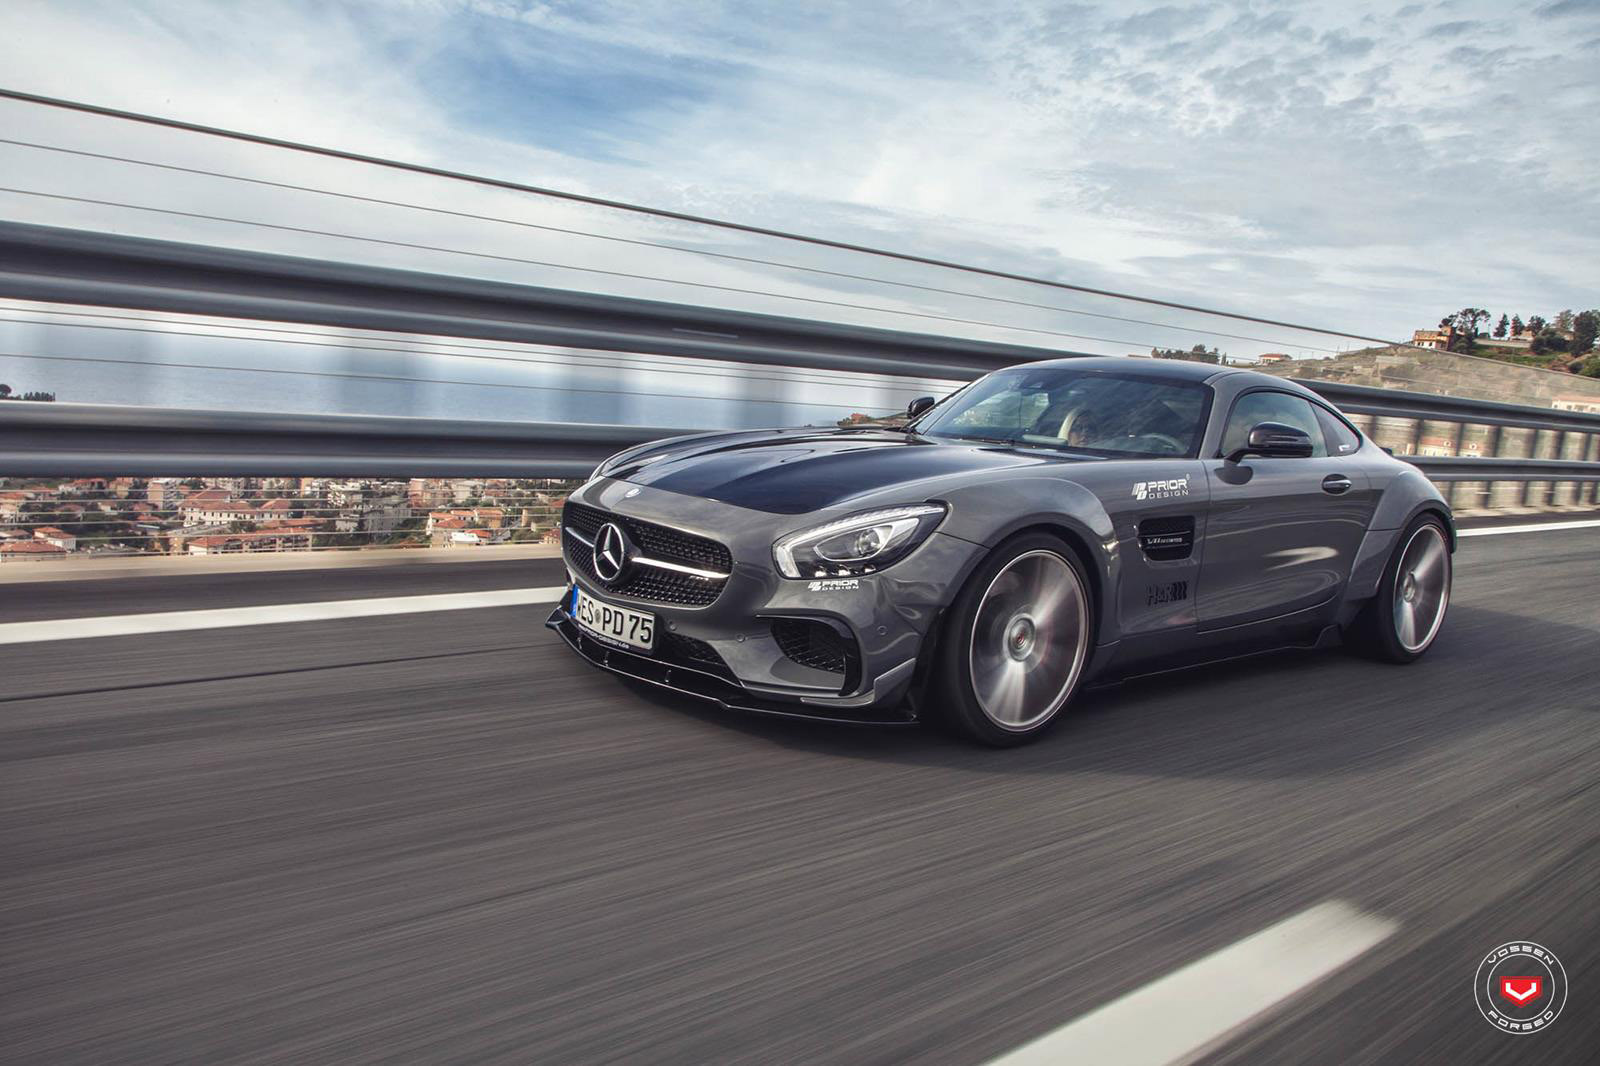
<point>1520,987</point>
<point>1161,490</point>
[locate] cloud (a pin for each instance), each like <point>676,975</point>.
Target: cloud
<point>1322,162</point>
<point>1569,7</point>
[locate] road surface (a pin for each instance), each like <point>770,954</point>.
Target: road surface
<point>438,837</point>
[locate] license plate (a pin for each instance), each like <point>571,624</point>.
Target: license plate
<point>612,624</point>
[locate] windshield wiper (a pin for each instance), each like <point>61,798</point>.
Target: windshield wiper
<point>1007,442</point>
<point>1013,442</point>
<point>910,430</point>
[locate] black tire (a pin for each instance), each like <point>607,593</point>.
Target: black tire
<point>1380,630</point>
<point>991,627</point>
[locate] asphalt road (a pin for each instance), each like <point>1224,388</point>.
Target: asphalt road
<point>440,838</point>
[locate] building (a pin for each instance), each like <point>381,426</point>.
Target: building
<point>261,541</point>
<point>442,529</point>
<point>428,492</point>
<point>214,507</point>
<point>475,538</point>
<point>1589,404</point>
<point>11,503</point>
<point>30,551</point>
<point>488,517</point>
<point>59,537</point>
<point>164,493</point>
<point>311,525</point>
<point>1433,338</point>
<point>83,486</point>
<point>373,515</point>
<point>1274,357</point>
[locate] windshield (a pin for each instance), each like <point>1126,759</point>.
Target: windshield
<point>1092,412</point>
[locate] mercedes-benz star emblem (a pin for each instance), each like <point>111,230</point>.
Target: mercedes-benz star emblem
<point>610,553</point>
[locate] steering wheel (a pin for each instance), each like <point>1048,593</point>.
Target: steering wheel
<point>1163,439</point>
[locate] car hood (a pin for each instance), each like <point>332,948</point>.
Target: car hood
<point>796,471</point>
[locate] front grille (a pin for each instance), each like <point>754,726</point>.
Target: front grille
<point>657,542</point>
<point>811,643</point>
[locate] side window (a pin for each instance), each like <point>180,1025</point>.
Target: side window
<point>1342,440</point>
<point>1253,408</point>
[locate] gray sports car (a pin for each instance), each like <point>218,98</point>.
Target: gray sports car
<point>1045,526</point>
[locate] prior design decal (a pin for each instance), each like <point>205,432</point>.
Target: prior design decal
<point>841,584</point>
<point>1161,490</point>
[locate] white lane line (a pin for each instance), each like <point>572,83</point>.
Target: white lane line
<point>176,621</point>
<point>1192,1011</point>
<point>122,625</point>
<point>1541,527</point>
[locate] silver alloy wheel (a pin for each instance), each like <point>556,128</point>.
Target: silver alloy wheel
<point>1421,588</point>
<point>1029,639</point>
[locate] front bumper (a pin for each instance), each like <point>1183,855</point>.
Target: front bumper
<point>886,616</point>
<point>701,684</point>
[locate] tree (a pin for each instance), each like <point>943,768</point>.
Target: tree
<point>1585,330</point>
<point>1197,354</point>
<point>5,390</point>
<point>1536,324</point>
<point>1516,325</point>
<point>1547,340</point>
<point>1564,321</point>
<point>1466,322</point>
<point>1590,367</point>
<point>1500,327</point>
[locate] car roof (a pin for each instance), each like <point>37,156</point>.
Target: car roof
<point>1176,369</point>
<point>1170,369</point>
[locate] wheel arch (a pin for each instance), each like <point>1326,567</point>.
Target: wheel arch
<point>1100,575</point>
<point>1439,510</point>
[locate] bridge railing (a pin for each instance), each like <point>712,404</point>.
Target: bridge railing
<point>91,480</point>
<point>1486,457</point>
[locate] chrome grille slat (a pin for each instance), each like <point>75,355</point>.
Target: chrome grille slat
<point>674,568</point>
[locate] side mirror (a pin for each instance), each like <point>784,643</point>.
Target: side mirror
<point>919,405</point>
<point>1274,440</point>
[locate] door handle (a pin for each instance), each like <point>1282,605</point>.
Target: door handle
<point>1336,484</point>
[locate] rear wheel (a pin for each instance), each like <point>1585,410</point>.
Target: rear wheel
<point>1016,642</point>
<point>1404,619</point>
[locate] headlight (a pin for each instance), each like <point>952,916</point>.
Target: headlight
<point>860,544</point>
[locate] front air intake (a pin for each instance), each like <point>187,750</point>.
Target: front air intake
<point>813,643</point>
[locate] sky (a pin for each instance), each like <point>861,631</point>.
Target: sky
<point>1366,167</point>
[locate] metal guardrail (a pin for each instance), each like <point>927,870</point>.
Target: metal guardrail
<point>1466,468</point>
<point>83,267</point>
<point>70,266</point>
<point>1395,403</point>
<point>91,440</point>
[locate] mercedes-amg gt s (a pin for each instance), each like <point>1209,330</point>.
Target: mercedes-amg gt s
<point>1044,526</point>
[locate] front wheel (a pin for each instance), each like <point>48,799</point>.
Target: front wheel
<point>1016,642</point>
<point>1402,621</point>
